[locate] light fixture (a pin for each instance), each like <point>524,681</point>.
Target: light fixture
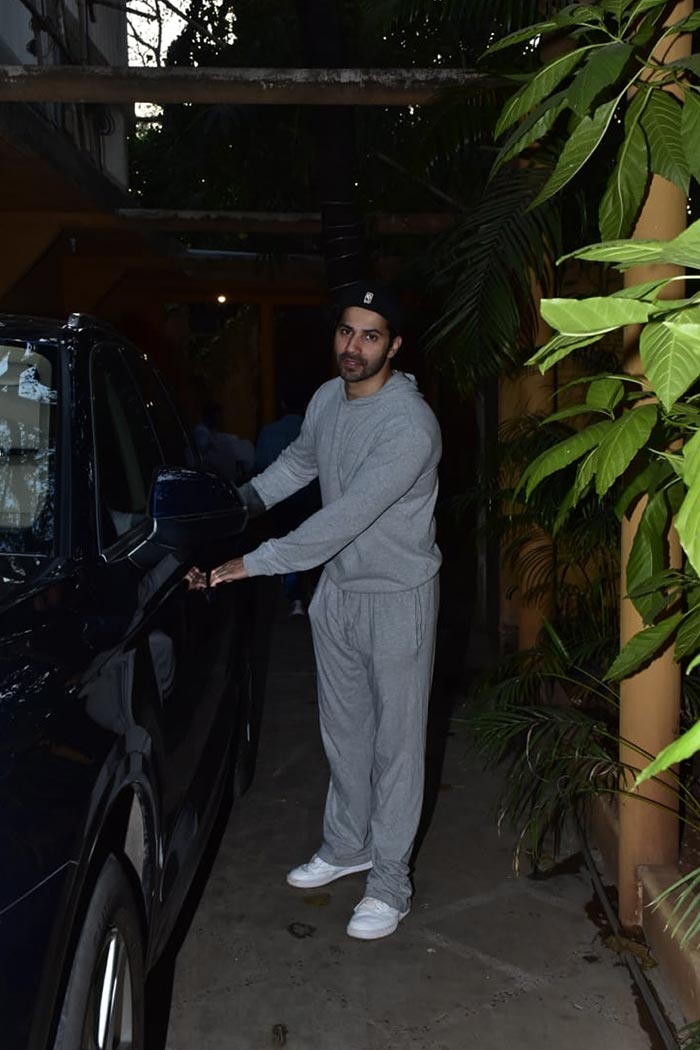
<point>221,298</point>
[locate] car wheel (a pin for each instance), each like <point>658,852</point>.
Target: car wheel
<point>103,1007</point>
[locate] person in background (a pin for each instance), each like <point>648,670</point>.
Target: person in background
<point>226,454</point>
<point>272,440</point>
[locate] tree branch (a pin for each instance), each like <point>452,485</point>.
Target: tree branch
<point>45,23</point>
<point>116,5</point>
<point>147,47</point>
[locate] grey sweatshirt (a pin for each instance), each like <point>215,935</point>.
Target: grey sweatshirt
<point>376,459</point>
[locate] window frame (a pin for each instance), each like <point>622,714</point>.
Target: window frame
<point>131,356</point>
<point>50,349</point>
<point>140,530</point>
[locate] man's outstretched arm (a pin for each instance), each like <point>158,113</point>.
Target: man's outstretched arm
<point>388,473</point>
<point>293,469</point>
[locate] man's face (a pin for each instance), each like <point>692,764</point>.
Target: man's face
<point>362,345</point>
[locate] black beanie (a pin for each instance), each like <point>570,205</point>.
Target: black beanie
<point>371,296</point>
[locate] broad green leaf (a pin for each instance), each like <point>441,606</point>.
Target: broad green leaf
<point>623,254</point>
<point>641,648</point>
<point>522,36</point>
<point>691,459</point>
<point>532,128</point>
<point>689,24</point>
<point>595,315</point>
<point>559,347</point>
<point>688,637</point>
<point>564,510</point>
<point>687,524</point>
<point>646,5</point>
<point>602,70</point>
<point>668,580</point>
<point>563,455</point>
<point>647,290</point>
<point>585,474</point>
<point>541,85</point>
<point>691,62</point>
<point>578,148</point>
<point>684,747</point>
<point>570,413</point>
<point>648,554</point>
<point>686,414</point>
<point>661,123</point>
<point>605,394</point>
<point>616,7</point>
<point>693,664</point>
<point>690,133</point>
<point>683,311</point>
<point>684,250</point>
<point>675,461</point>
<point>670,354</point>
<point>622,443</point>
<point>578,14</point>
<point>645,482</point>
<point>645,30</point>
<point>627,185</point>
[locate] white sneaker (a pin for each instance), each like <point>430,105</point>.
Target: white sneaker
<point>317,872</point>
<point>297,608</point>
<point>373,918</point>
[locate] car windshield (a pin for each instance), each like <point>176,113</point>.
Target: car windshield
<point>28,397</point>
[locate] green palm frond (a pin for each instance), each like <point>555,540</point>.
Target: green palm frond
<point>559,758</point>
<point>484,270</point>
<point>685,909</point>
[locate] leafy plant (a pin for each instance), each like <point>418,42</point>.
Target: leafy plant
<point>644,430</point>
<point>553,722</point>
<point>634,422</point>
<point>612,85</point>
<point>612,49</point>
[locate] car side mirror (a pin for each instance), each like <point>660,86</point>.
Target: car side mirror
<point>189,509</point>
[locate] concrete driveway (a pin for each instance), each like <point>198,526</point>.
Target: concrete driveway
<point>485,960</point>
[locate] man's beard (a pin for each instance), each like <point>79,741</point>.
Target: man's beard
<point>365,371</point>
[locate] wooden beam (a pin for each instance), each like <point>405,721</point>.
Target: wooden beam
<point>173,220</point>
<point>121,85</point>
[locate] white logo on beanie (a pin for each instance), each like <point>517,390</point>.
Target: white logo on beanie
<point>369,296</point>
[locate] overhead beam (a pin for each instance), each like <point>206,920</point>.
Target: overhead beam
<point>175,220</point>
<point>122,85</point>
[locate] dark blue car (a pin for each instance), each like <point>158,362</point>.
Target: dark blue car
<point>125,681</point>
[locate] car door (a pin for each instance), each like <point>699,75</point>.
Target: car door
<point>221,661</point>
<point>160,667</point>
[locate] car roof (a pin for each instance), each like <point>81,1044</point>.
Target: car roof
<point>16,326</point>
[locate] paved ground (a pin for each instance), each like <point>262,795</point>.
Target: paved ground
<point>485,960</point>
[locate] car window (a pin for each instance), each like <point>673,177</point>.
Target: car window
<point>126,451</point>
<point>28,406</point>
<point>173,440</point>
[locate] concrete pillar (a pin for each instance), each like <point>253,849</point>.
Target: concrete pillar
<point>650,700</point>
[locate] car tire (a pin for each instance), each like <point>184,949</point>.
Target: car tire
<point>103,1007</point>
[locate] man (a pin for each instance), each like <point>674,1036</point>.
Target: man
<point>374,445</point>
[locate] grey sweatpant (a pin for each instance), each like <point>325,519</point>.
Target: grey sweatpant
<point>374,657</point>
